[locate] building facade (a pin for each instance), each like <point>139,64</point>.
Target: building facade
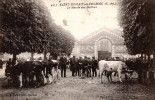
<point>102,44</point>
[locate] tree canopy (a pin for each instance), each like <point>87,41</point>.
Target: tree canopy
<point>27,26</point>
<point>24,26</point>
<point>137,17</point>
<point>62,43</point>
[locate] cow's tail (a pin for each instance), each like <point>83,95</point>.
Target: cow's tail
<point>99,69</point>
<point>99,73</point>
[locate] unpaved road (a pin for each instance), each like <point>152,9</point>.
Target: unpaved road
<point>74,88</point>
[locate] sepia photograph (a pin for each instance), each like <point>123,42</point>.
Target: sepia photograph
<point>77,50</point>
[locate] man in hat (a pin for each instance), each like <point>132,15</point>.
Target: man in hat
<point>8,67</point>
<point>63,63</point>
<point>84,67</point>
<point>94,66</point>
<point>1,64</point>
<point>80,64</point>
<point>73,62</point>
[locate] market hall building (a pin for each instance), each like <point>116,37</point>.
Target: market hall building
<point>104,43</point>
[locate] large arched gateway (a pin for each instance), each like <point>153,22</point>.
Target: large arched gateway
<point>101,44</point>
<point>103,48</point>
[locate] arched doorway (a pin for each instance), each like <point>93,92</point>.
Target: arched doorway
<point>103,48</point>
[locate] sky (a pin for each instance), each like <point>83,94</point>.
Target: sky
<point>81,22</point>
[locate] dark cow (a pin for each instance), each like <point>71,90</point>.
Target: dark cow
<point>50,65</point>
<point>138,66</point>
<point>15,74</point>
<point>31,70</point>
<point>24,73</point>
<point>28,73</point>
<point>55,67</point>
<point>47,65</point>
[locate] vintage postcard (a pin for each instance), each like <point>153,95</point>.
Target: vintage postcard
<point>77,50</point>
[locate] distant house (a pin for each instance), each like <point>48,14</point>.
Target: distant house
<point>102,44</point>
<point>1,55</point>
<point>24,55</point>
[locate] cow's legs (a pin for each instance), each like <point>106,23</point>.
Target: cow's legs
<point>20,80</point>
<point>43,75</point>
<point>126,77</point>
<point>57,72</point>
<point>49,79</point>
<point>109,75</point>
<point>119,75</point>
<point>101,73</point>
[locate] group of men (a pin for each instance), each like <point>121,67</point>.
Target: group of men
<point>79,66</point>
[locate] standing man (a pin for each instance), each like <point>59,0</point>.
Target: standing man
<point>72,63</point>
<point>1,64</point>
<point>8,67</point>
<point>80,63</point>
<point>94,66</point>
<point>77,67</point>
<point>84,67</point>
<point>89,67</point>
<point>63,63</point>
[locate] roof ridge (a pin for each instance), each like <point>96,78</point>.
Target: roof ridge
<point>99,31</point>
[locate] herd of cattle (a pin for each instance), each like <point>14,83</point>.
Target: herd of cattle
<point>36,73</point>
<point>31,73</point>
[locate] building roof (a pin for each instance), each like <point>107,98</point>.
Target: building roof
<point>114,35</point>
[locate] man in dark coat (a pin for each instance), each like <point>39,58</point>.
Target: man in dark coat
<point>85,66</point>
<point>8,67</point>
<point>73,64</point>
<point>80,63</point>
<point>1,64</point>
<point>94,66</point>
<point>63,63</point>
<point>77,67</point>
<point>89,67</point>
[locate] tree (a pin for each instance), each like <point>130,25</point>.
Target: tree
<point>137,17</point>
<point>27,26</point>
<point>24,26</point>
<point>61,41</point>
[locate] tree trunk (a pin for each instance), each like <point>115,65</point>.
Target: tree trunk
<point>149,59</point>
<point>142,57</point>
<point>45,54</point>
<point>32,56</point>
<point>14,59</point>
<point>153,61</point>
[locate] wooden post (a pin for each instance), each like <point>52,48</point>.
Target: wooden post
<point>151,77</point>
<point>14,59</point>
<point>32,56</point>
<point>45,54</point>
<point>144,57</point>
<point>153,61</point>
<point>149,59</point>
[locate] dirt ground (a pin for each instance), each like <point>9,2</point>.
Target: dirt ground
<point>75,88</point>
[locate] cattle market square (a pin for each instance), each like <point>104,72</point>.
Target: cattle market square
<point>49,51</point>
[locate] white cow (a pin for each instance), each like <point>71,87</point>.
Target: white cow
<point>112,66</point>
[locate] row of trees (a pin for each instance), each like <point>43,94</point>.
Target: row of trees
<point>137,17</point>
<point>27,26</point>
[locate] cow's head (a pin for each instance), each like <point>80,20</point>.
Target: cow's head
<point>124,67</point>
<point>126,70</point>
